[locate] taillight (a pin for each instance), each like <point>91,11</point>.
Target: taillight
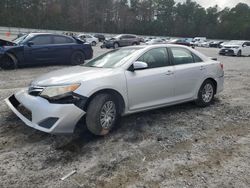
<point>221,66</point>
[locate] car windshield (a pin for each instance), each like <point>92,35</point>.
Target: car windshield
<point>113,58</point>
<point>20,39</point>
<point>23,39</point>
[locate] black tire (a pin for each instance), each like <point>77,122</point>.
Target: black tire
<point>94,117</point>
<point>116,45</point>
<point>77,58</point>
<point>8,63</point>
<point>134,44</point>
<point>204,100</point>
<point>239,53</point>
<point>93,43</point>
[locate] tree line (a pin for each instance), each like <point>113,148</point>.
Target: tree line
<point>144,17</point>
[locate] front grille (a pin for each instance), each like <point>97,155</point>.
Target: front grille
<point>227,51</point>
<point>35,91</point>
<point>25,112</point>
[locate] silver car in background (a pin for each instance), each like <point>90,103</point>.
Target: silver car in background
<point>120,82</point>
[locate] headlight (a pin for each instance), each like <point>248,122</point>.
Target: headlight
<point>58,92</point>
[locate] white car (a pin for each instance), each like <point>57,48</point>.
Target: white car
<point>198,41</point>
<point>89,39</point>
<point>120,82</point>
<point>236,48</point>
<point>205,44</point>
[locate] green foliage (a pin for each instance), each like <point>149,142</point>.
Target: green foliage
<point>146,17</point>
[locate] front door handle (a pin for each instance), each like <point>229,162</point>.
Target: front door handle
<point>169,72</point>
<point>202,68</point>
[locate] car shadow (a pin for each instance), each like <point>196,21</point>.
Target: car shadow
<point>124,126</point>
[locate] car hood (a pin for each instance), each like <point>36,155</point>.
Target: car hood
<point>231,45</point>
<point>71,75</point>
<point>6,43</point>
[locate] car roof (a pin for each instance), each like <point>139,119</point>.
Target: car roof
<point>35,34</point>
<point>157,46</point>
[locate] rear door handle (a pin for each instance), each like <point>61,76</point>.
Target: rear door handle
<point>169,72</point>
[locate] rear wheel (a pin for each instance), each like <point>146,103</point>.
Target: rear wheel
<point>8,63</point>
<point>102,114</point>
<point>206,94</point>
<point>77,58</point>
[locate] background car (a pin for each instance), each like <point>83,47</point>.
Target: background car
<point>181,42</point>
<point>204,44</point>
<point>215,44</point>
<point>120,82</point>
<point>46,49</point>
<point>121,40</point>
<point>155,41</point>
<point>100,37</point>
<point>236,48</point>
<point>197,41</point>
<point>89,39</point>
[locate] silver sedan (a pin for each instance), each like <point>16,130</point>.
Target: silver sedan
<point>120,82</point>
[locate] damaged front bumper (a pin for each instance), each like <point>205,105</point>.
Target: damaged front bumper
<point>40,114</point>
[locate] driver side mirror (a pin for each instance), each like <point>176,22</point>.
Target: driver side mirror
<point>244,45</point>
<point>139,65</point>
<point>30,43</point>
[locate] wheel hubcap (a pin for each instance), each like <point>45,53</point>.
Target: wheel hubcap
<point>207,93</point>
<point>108,114</point>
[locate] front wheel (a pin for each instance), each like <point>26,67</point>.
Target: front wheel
<point>102,114</point>
<point>239,53</point>
<point>7,63</point>
<point>93,43</point>
<point>116,45</point>
<point>206,94</point>
<point>77,58</point>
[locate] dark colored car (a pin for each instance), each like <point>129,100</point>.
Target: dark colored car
<point>215,44</point>
<point>181,42</point>
<point>121,40</point>
<point>44,49</point>
<point>100,37</point>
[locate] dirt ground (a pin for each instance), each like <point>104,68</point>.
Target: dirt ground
<point>179,146</point>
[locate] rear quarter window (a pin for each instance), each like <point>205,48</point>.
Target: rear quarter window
<point>62,40</point>
<point>184,56</point>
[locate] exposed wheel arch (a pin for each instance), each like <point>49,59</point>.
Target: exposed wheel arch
<point>112,92</point>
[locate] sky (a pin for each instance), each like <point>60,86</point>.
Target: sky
<point>220,3</point>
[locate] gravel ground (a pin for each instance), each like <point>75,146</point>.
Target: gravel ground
<point>179,146</point>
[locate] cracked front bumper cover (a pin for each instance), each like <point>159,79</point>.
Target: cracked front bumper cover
<point>43,115</point>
